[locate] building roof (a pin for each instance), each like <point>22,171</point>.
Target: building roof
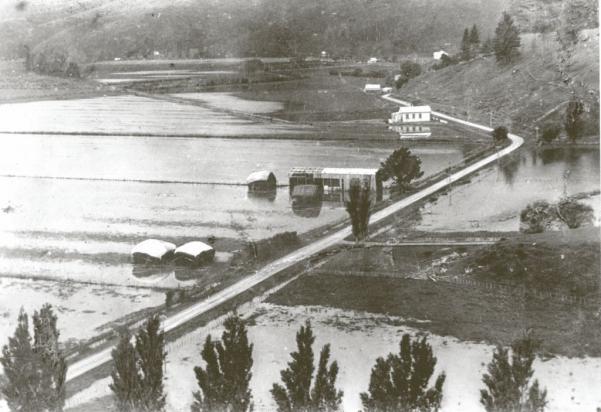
<point>348,171</point>
<point>259,176</point>
<point>414,109</point>
<point>194,248</point>
<point>154,248</point>
<point>329,171</point>
<point>372,86</point>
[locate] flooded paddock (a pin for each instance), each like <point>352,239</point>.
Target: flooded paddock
<point>496,195</point>
<point>129,114</point>
<point>74,206</point>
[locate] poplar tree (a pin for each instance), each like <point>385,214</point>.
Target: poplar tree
<point>224,382</point>
<point>507,382</point>
<point>465,45</point>
<point>125,375</point>
<point>295,394</point>
<point>400,382</point>
<point>507,40</point>
<point>35,369</point>
<point>22,370</point>
<point>358,208</point>
<point>150,348</point>
<point>474,37</point>
<point>53,364</point>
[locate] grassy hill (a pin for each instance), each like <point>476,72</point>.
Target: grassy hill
<point>519,96</point>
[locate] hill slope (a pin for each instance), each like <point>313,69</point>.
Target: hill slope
<point>519,96</point>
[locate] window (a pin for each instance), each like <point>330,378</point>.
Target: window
<point>419,115</point>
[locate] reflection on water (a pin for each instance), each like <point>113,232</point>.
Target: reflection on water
<point>495,197</point>
<point>310,209</point>
<point>264,196</point>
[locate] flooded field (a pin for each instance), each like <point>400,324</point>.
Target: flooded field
<point>495,197</point>
<point>75,205</point>
<point>83,310</point>
<point>357,339</point>
<point>131,115</point>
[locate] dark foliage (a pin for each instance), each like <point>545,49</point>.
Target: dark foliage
<point>574,214</point>
<point>499,134</point>
<point>125,375</point>
<point>573,123</point>
<point>169,295</point>
<point>35,371</point>
<point>399,382</point>
<point>466,47</point>
<point>410,69</point>
<point>138,369</point>
<point>358,208</point>
<point>540,215</point>
<point>550,132</point>
<point>296,393</point>
<point>224,382</point>
<point>445,61</point>
<point>507,40</point>
<point>536,217</point>
<point>508,386</point>
<point>474,38</point>
<point>403,167</point>
<point>150,348</point>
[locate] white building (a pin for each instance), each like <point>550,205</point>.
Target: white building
<point>411,114</point>
<point>437,55</point>
<point>372,60</point>
<point>372,88</point>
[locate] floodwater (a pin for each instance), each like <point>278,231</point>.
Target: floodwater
<point>131,115</point>
<point>73,206</point>
<point>494,198</point>
<point>357,339</point>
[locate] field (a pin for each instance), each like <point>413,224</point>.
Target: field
<point>17,84</point>
<point>357,338</point>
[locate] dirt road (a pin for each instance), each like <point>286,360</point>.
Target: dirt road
<point>87,364</point>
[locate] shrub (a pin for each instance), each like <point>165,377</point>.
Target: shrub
<point>499,134</point>
<point>550,132</point>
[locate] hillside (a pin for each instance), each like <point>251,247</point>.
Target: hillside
<point>92,30</point>
<point>519,96</point>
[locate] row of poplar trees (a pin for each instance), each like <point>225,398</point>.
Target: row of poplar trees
<point>35,372</point>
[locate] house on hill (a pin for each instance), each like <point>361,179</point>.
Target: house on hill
<point>372,88</point>
<point>411,114</point>
<point>437,55</point>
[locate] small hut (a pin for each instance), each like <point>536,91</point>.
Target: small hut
<point>152,251</point>
<point>261,181</point>
<point>194,253</point>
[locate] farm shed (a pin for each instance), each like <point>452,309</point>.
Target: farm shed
<point>372,88</point>
<point>152,251</point>
<point>334,183</point>
<point>261,181</point>
<point>411,114</point>
<point>194,253</point>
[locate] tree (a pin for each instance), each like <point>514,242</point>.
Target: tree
<point>21,366</point>
<point>573,123</point>
<point>499,134</point>
<point>465,45</point>
<point>401,166</point>
<point>296,394</point>
<point>410,69</point>
<point>125,375</point>
<point>358,208</point>
<point>574,214</point>
<point>54,366</point>
<point>550,132</point>
<point>224,382</point>
<point>150,348</point>
<point>508,387</point>
<point>507,40</point>
<point>536,217</point>
<point>488,46</point>
<point>474,39</point>
<point>399,382</point>
<point>35,371</point>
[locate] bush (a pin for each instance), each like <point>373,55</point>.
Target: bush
<point>169,295</point>
<point>499,134</point>
<point>536,217</point>
<point>403,167</point>
<point>410,69</point>
<point>550,132</point>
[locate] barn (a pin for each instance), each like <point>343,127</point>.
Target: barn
<point>261,181</point>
